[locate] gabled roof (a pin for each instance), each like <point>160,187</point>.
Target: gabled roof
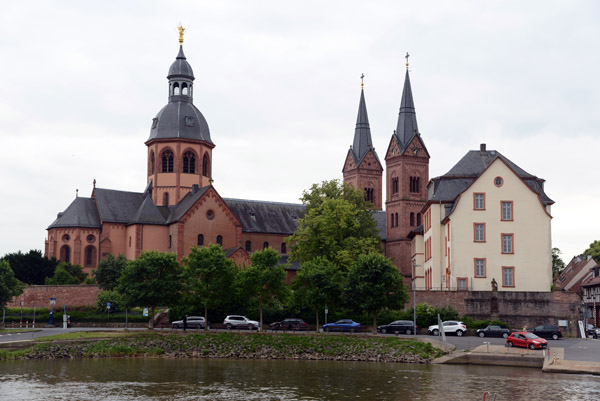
<point>149,213</point>
<point>81,212</point>
<point>117,206</point>
<point>266,217</point>
<point>179,210</point>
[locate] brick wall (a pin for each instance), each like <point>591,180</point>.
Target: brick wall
<point>69,295</point>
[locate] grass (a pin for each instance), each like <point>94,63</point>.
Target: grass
<point>77,335</point>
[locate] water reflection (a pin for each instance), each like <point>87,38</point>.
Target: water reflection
<point>186,379</point>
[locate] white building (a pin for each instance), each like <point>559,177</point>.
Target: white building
<point>485,220</point>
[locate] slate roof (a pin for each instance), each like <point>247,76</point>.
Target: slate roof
<point>185,204</point>
<point>117,206</point>
<point>447,187</point>
<point>266,217</point>
<point>379,217</point>
<point>149,213</point>
<point>407,128</point>
<point>362,134</point>
<point>81,212</point>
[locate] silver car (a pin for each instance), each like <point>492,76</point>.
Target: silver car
<point>193,322</point>
<point>239,322</point>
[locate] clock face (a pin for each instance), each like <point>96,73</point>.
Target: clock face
<point>415,151</point>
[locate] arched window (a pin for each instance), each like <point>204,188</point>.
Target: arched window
<point>200,240</point>
<point>152,162</point>
<point>90,256</point>
<point>412,219</point>
<point>205,166</point>
<point>176,89</point>
<point>283,248</point>
<point>248,246</point>
<point>392,219</point>
<point>184,89</point>
<point>167,161</point>
<point>189,162</point>
<point>265,245</point>
<point>418,219</point>
<point>166,199</point>
<point>65,253</point>
<point>220,240</point>
<point>396,218</point>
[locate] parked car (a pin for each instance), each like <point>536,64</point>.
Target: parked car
<point>526,339</point>
<point>342,325</point>
<point>237,321</point>
<point>494,331</point>
<point>398,326</point>
<point>193,322</point>
<point>450,327</point>
<point>289,324</point>
<point>547,331</point>
<point>591,331</point>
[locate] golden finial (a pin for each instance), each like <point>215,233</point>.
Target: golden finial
<point>181,29</point>
<point>406,57</point>
<point>362,82</point>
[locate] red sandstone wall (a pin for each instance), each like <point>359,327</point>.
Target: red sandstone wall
<point>69,295</point>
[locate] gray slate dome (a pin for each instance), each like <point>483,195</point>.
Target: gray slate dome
<point>180,118</point>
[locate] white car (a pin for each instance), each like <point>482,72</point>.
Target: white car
<point>450,327</point>
<point>193,322</point>
<point>237,321</point>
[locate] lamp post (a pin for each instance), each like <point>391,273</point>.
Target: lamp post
<point>414,296</point>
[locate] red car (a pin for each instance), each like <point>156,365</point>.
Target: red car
<point>525,339</point>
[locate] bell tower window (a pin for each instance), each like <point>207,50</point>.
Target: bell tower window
<point>205,166</point>
<point>167,161</point>
<point>176,89</point>
<point>184,89</point>
<point>189,162</point>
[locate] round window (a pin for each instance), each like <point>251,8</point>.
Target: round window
<point>91,238</point>
<point>498,181</point>
<point>66,237</point>
<point>210,215</point>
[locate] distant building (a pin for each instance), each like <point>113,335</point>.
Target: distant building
<point>575,272</point>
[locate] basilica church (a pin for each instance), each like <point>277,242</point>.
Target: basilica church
<point>180,208</point>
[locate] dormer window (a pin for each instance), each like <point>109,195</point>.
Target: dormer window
<point>154,122</point>
<point>189,121</point>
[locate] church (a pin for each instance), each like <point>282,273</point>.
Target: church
<point>427,228</point>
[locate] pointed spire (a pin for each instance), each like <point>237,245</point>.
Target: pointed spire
<point>407,118</point>
<point>362,133</point>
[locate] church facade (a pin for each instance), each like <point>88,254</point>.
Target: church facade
<point>426,227</point>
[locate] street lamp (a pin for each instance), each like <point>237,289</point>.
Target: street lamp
<point>414,296</point>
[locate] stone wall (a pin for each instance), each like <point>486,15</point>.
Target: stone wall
<point>69,295</point>
<point>518,309</point>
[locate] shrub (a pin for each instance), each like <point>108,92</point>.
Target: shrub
<point>115,299</point>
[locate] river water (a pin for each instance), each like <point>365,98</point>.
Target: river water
<point>220,379</point>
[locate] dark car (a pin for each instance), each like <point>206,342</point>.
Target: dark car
<point>289,324</point>
<point>547,331</point>
<point>494,331</point>
<point>193,322</point>
<point>342,325</point>
<point>591,331</point>
<point>398,326</point>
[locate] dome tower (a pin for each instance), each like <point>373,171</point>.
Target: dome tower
<point>179,146</point>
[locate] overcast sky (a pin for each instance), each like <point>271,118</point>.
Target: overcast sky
<point>279,84</point>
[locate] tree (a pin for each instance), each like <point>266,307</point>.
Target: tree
<point>374,283</point>
<point>61,277</point>
<point>115,299</point>
<point>9,285</point>
<point>109,270</point>
<point>31,267</point>
<point>208,277</point>
<point>557,263</point>
<point>337,224</point>
<point>151,280</point>
<point>594,251</point>
<point>263,280</point>
<point>318,284</point>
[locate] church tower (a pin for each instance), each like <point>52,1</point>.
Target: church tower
<point>407,174</point>
<point>362,168</point>
<point>179,146</point>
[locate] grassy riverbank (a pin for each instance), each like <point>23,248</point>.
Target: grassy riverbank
<point>233,345</point>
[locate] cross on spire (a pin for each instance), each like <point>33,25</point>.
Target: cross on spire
<point>181,30</point>
<point>406,57</point>
<point>362,82</point>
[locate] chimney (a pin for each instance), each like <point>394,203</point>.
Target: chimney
<point>482,147</point>
<point>194,188</point>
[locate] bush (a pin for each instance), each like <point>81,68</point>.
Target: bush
<point>115,299</point>
<point>482,324</point>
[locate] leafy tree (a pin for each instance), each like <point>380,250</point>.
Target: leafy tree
<point>374,283</point>
<point>208,277</point>
<point>75,271</point>
<point>31,267</point>
<point>594,251</point>
<point>151,280</point>
<point>337,224</point>
<point>62,276</point>
<point>317,284</point>
<point>263,280</point>
<point>115,299</point>
<point>557,263</point>
<point>109,270</point>
<point>9,285</point>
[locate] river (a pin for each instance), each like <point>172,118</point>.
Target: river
<point>220,379</point>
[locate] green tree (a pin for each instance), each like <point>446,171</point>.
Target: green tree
<point>317,284</point>
<point>594,251</point>
<point>263,280</point>
<point>208,277</point>
<point>9,285</point>
<point>32,267</point>
<point>374,283</point>
<point>115,299</point>
<point>63,276</point>
<point>337,224</point>
<point>557,263</point>
<point>151,280</point>
<point>109,270</point>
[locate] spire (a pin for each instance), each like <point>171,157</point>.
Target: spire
<point>407,118</point>
<point>362,133</point>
